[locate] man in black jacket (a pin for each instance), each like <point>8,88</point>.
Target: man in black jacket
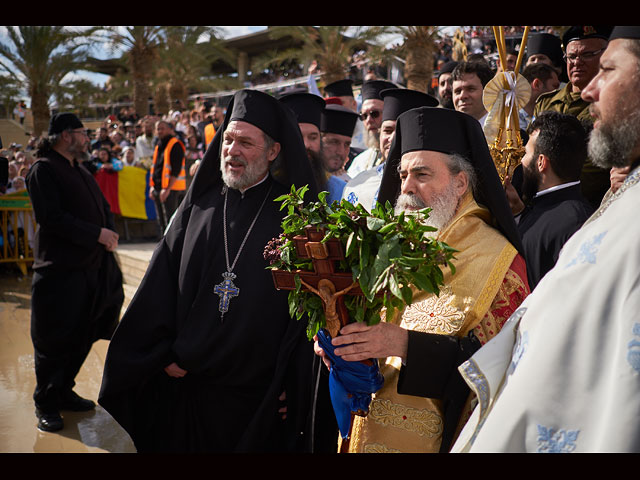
<point>77,285</point>
<point>555,207</point>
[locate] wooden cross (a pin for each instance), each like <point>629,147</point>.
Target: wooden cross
<point>329,284</point>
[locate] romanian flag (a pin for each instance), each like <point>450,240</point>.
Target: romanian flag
<point>127,192</point>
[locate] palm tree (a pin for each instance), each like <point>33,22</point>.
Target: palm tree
<point>329,45</point>
<point>9,94</point>
<point>40,57</point>
<point>79,93</point>
<point>186,57</point>
<point>140,45</point>
<point>418,50</point>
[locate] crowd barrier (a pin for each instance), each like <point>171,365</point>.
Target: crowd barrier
<point>127,192</point>
<point>17,228</point>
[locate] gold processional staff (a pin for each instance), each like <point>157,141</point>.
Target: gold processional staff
<point>503,97</point>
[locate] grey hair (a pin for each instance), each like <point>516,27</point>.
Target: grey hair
<point>634,47</point>
<point>457,163</point>
<point>268,141</point>
<point>55,137</point>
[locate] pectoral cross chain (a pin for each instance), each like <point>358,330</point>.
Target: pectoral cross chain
<point>227,290</point>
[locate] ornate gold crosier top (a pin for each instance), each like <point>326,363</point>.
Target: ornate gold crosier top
<point>503,97</point>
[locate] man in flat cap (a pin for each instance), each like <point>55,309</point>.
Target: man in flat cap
<point>583,46</point>
<point>207,355</point>
<point>77,284</point>
<point>439,158</point>
<point>363,188</point>
<point>371,116</point>
<point>563,374</point>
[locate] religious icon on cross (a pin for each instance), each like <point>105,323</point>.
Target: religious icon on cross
<point>329,284</point>
<point>226,291</point>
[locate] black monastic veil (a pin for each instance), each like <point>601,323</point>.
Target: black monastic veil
<point>237,367</point>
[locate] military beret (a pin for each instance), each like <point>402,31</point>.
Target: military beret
<point>580,32</point>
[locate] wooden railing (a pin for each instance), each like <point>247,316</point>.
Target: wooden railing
<point>17,227</point>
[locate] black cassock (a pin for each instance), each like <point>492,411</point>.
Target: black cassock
<point>238,365</point>
<point>545,226</point>
<point>77,285</point>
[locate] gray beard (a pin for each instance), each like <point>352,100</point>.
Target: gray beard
<point>443,208</point>
<point>611,145</point>
<point>82,157</point>
<point>252,174</point>
<point>372,140</point>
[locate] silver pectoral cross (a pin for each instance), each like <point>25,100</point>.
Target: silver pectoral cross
<point>226,291</point>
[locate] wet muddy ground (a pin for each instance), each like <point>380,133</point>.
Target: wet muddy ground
<point>90,432</point>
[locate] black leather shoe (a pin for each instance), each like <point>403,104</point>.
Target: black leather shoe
<point>75,403</point>
<point>49,422</point>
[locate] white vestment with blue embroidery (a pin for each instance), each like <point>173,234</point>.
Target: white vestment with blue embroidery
<point>363,188</point>
<point>364,161</point>
<point>563,375</point>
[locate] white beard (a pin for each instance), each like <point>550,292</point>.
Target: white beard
<point>372,140</point>
<point>443,207</point>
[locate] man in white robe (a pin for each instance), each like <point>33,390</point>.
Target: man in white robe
<point>564,373</point>
<point>371,116</point>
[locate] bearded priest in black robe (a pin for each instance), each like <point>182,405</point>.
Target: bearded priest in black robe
<point>207,358</point>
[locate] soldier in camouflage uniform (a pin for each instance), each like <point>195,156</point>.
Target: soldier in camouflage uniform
<point>583,47</point>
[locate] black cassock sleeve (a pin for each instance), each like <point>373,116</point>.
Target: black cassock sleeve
<point>431,371</point>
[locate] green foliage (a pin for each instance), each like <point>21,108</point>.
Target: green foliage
<point>386,253</point>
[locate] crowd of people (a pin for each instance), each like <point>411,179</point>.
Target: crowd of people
<point>19,160</point>
<point>126,139</point>
<point>511,355</point>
